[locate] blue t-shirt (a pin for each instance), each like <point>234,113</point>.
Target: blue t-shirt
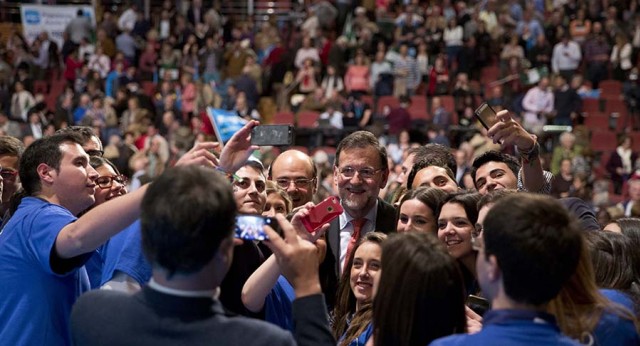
<point>124,254</point>
<point>277,304</point>
<point>362,339</point>
<point>612,329</point>
<point>512,327</point>
<point>94,266</point>
<point>36,302</point>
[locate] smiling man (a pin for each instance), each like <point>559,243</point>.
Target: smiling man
<point>360,172</point>
<point>432,173</point>
<point>44,245</point>
<point>295,172</point>
<point>495,170</point>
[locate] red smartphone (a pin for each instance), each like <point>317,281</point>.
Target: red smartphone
<point>322,213</point>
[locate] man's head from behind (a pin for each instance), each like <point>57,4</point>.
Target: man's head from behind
<point>531,248</point>
<point>187,217</point>
<point>494,170</point>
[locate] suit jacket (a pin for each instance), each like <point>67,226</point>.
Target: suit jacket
<point>330,268</point>
<point>150,317</point>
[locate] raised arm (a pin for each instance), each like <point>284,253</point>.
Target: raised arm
<point>509,132</point>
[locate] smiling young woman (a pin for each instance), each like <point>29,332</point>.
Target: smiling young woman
<point>353,311</point>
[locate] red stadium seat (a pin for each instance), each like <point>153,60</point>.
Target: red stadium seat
<point>615,105</point>
<point>610,87</point>
<point>390,101</point>
<point>307,119</point>
<point>284,118</point>
<point>418,108</point>
<point>591,105</point>
<point>603,141</point>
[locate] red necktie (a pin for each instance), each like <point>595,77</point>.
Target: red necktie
<point>357,227</point>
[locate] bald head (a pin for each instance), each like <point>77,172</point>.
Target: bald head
<point>295,172</point>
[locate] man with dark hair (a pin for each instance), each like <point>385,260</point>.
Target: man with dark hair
<point>90,141</point>
<point>432,173</point>
<point>44,245</point>
<point>295,172</point>
<point>360,171</point>
<point>519,271</point>
<point>11,150</point>
<point>187,216</point>
<point>495,170</point>
<point>431,151</point>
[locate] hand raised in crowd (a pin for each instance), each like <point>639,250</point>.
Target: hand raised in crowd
<point>509,132</point>
<point>296,221</point>
<point>234,154</point>
<point>297,258</point>
<point>200,154</point>
<point>238,149</point>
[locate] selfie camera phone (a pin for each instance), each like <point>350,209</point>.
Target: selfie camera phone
<point>251,227</point>
<point>322,213</point>
<point>272,135</point>
<point>479,305</point>
<point>486,115</point>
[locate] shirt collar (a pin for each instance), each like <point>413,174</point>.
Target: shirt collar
<point>345,218</point>
<point>183,293</point>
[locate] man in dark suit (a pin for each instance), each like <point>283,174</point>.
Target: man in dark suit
<point>361,170</point>
<point>187,221</point>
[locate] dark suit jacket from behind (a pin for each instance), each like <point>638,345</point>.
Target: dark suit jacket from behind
<point>329,269</point>
<point>150,317</point>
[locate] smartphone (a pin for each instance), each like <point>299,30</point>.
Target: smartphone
<point>272,135</point>
<point>251,227</point>
<point>486,115</point>
<point>479,305</point>
<point>322,213</point>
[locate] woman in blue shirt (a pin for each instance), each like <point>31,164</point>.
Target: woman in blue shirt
<point>358,284</point>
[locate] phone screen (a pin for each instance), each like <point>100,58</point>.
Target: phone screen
<point>276,135</point>
<point>251,227</point>
<point>486,115</point>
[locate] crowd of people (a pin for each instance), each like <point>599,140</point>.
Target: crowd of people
<point>119,208</point>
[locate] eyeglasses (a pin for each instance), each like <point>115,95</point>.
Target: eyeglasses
<point>299,182</point>
<point>6,173</point>
<point>365,173</point>
<point>245,183</point>
<point>95,152</point>
<point>106,181</point>
<point>477,243</point>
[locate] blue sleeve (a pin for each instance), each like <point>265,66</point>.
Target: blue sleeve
<point>125,254</point>
<point>278,304</point>
<point>45,225</point>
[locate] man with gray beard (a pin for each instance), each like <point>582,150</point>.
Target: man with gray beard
<point>360,171</point>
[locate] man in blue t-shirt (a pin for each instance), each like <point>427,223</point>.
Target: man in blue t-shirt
<point>44,246</point>
<point>527,249</point>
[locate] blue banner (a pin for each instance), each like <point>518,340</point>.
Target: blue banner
<point>225,123</point>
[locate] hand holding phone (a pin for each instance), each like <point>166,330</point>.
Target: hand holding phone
<point>322,213</point>
<point>486,115</point>
<point>479,305</point>
<point>251,227</point>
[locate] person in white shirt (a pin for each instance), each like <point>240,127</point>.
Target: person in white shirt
<point>127,19</point>
<point>537,103</point>
<point>566,57</point>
